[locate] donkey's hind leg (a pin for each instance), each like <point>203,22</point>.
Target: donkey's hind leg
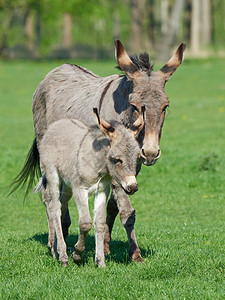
<point>65,196</point>
<point>85,222</point>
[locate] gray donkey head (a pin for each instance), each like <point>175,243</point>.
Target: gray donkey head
<point>124,150</point>
<point>148,90</point>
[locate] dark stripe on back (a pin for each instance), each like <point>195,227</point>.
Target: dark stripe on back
<point>103,94</point>
<point>85,70</point>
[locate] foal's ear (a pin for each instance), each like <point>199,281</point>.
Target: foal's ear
<point>125,62</point>
<point>103,125</point>
<point>140,122</point>
<point>170,67</point>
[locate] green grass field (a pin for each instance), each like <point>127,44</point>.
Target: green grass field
<point>180,205</point>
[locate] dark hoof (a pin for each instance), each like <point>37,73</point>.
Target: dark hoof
<point>77,257</point>
<point>64,263</point>
<point>136,256</point>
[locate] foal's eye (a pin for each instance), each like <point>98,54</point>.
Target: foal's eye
<point>115,160</point>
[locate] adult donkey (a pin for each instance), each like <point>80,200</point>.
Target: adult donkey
<point>70,91</point>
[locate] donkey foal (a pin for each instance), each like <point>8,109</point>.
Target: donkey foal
<point>85,160</point>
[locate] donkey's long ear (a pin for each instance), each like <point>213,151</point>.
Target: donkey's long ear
<point>170,67</point>
<point>139,123</point>
<point>125,62</point>
<point>104,126</point>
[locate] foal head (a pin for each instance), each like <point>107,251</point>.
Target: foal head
<point>124,151</point>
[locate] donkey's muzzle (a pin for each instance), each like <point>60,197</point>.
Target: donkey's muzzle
<point>150,151</point>
<point>150,158</point>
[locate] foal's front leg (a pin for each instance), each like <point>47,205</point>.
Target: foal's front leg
<point>85,222</point>
<point>99,222</point>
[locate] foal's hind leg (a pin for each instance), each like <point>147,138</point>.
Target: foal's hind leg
<point>85,222</point>
<point>51,227</point>
<point>54,210</point>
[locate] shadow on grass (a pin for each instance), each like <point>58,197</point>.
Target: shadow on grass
<point>119,249</point>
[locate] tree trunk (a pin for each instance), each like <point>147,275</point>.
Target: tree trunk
<point>37,31</point>
<point>29,31</point>
<point>164,16</point>
<point>206,22</point>
<point>151,13</point>
<point>195,27</point>
<point>187,36</point>
<point>67,31</point>
<point>137,25</point>
<point>7,24</point>
<point>116,24</point>
<point>168,38</point>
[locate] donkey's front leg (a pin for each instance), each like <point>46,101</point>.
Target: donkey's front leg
<point>85,222</point>
<point>127,217</point>
<point>112,212</point>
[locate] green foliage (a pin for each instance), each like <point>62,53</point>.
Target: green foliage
<point>218,17</point>
<point>179,206</point>
<point>94,25</point>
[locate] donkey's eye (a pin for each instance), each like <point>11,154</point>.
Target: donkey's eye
<point>164,108</point>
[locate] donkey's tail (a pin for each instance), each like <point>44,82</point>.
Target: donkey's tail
<point>30,171</point>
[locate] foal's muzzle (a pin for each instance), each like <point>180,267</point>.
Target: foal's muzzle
<point>130,184</point>
<point>131,189</point>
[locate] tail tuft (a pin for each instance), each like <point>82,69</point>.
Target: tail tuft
<point>30,171</point>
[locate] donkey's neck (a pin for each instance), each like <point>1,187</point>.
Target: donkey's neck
<point>125,88</point>
<point>115,105</point>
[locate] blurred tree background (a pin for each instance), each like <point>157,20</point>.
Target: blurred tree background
<point>87,28</point>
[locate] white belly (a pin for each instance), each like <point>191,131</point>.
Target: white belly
<point>99,186</point>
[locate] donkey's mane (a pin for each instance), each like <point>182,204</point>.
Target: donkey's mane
<point>142,62</point>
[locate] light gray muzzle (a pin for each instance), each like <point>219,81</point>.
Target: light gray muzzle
<point>150,157</point>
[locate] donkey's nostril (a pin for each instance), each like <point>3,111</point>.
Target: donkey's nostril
<point>151,154</point>
<point>159,153</point>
